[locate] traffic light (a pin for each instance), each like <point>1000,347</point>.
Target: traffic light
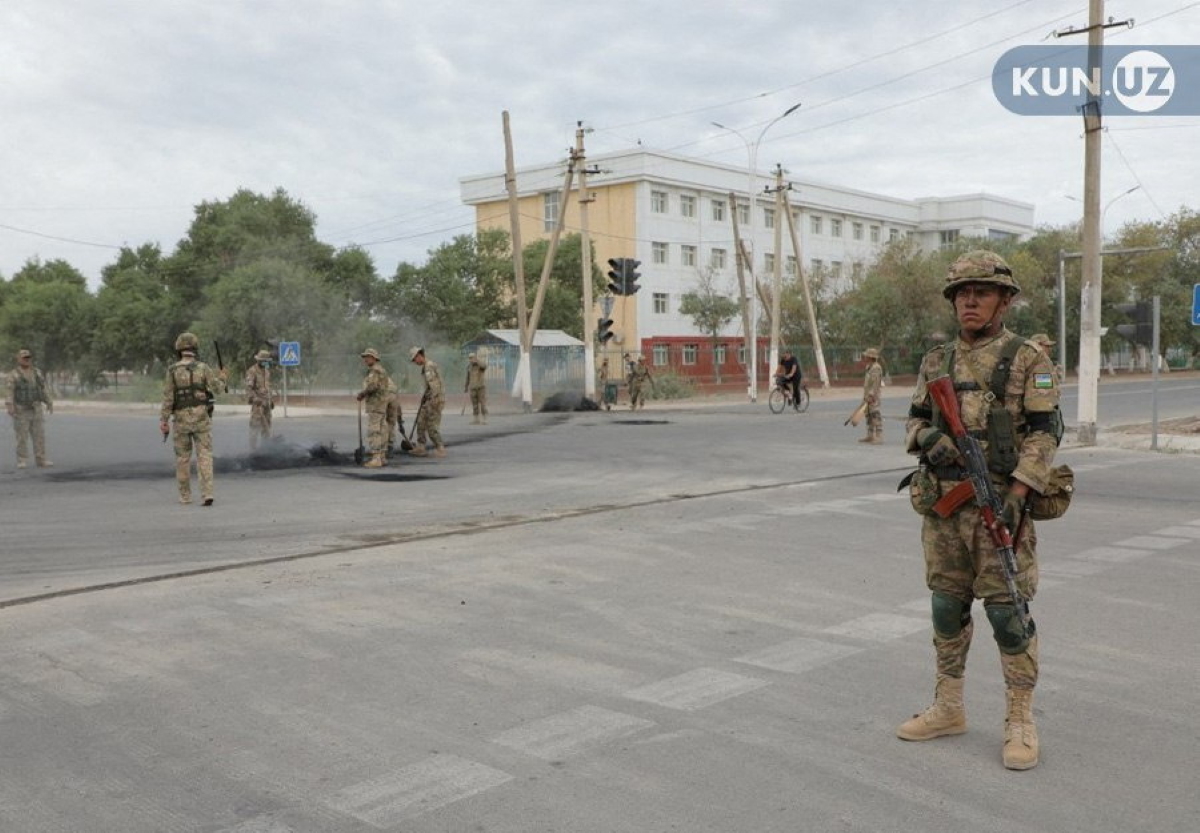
<point>604,330</point>
<point>631,275</point>
<point>616,275</point>
<point>1141,331</point>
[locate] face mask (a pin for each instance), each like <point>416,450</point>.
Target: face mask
<point>264,364</point>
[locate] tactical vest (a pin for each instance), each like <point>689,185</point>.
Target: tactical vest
<point>1003,450</point>
<point>27,393</point>
<point>193,393</point>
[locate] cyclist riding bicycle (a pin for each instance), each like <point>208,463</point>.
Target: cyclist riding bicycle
<point>788,376</point>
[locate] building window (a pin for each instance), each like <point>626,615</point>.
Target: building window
<point>791,265</point>
<point>893,234</point>
<point>835,268</point>
<point>743,211</point>
<point>909,235</point>
<point>741,353</point>
<point>660,302</point>
<point>658,202</point>
<point>769,217</point>
<point>857,269</point>
<point>687,255</point>
<point>658,252</point>
<point>816,264</point>
<point>997,234</point>
<point>659,353</point>
<point>814,224</point>
<point>769,263</point>
<point>718,210</point>
<point>690,351</point>
<point>948,237</point>
<point>718,259</point>
<point>856,229</point>
<point>549,211</point>
<point>687,205</point>
<point>720,354</point>
<point>835,228</point>
<point>874,234</point>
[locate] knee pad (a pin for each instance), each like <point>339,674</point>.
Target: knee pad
<point>1006,626</point>
<point>950,615</point>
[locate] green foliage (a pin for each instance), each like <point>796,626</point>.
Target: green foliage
<point>709,309</point>
<point>668,385</point>
<point>562,308</point>
<point>53,318</point>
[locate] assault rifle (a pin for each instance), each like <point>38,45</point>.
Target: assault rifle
<point>991,507</point>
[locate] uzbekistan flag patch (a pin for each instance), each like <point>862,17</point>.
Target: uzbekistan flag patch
<point>1043,380</point>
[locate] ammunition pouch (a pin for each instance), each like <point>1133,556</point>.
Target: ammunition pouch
<point>1001,441</point>
<point>923,490</point>
<point>1054,501</point>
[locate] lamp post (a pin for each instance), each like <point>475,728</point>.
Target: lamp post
<point>751,188</point>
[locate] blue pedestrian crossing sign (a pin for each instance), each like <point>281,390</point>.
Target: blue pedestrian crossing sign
<point>289,354</point>
<point>1196,305</point>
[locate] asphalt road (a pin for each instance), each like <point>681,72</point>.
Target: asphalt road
<point>695,618</point>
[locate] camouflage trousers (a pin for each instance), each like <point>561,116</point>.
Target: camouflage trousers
<point>479,401</point>
<point>260,424</point>
<point>378,432</point>
<point>429,421</point>
<point>874,420</point>
<point>197,437</point>
<point>961,562</point>
<point>29,424</point>
<point>392,420</point>
<point>637,395</point>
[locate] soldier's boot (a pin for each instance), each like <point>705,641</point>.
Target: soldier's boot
<point>45,464</point>
<point>21,464</point>
<point>876,437</point>
<point>947,715</point>
<point>376,462</point>
<point>439,451</point>
<point>418,450</point>
<point>483,420</point>
<point>475,419</point>
<point>1020,734</point>
<point>866,439</point>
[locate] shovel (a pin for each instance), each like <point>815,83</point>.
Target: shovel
<point>360,453</point>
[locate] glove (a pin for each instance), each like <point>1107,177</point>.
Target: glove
<point>939,449</point>
<point>1014,507</point>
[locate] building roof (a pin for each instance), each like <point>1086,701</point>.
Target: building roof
<point>541,338</point>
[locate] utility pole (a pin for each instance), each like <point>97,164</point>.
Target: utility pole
<point>740,261</point>
<point>585,247</point>
<point>1091,290</point>
<point>818,352</point>
<point>524,377</point>
<point>777,272</point>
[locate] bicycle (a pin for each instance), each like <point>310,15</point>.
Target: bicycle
<point>781,397</point>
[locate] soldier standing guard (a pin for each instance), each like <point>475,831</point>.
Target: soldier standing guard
<point>639,378</point>
<point>872,390</point>
<point>189,392</point>
<point>375,394</point>
<point>258,394</point>
<point>28,394</point>
<point>1008,398</point>
<point>476,386</point>
<point>429,418</point>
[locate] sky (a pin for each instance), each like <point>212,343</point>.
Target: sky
<point>118,118</point>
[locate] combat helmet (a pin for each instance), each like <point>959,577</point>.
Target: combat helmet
<point>187,341</point>
<point>979,266</point>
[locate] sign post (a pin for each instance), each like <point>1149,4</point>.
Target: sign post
<point>1196,305</point>
<point>289,356</point>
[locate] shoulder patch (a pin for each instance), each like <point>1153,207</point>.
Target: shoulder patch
<point>1043,380</point>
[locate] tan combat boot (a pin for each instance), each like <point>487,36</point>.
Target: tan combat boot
<point>947,715</point>
<point>475,420</point>
<point>867,439</point>
<point>418,450</point>
<point>1020,735</point>
<point>376,462</point>
<point>439,451</point>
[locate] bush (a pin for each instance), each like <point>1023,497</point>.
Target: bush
<point>671,386</point>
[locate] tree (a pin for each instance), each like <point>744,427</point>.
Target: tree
<point>51,318</point>
<point>460,291</point>
<point>562,308</point>
<point>132,321</point>
<point>710,310</point>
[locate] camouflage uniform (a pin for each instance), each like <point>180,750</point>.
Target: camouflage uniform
<point>28,395</point>
<point>961,564</point>
<point>258,394</point>
<point>188,392</point>
<point>872,391</point>
<point>375,394</point>
<point>429,418</point>
<point>476,386</point>
<point>639,379</point>
<point>393,420</point>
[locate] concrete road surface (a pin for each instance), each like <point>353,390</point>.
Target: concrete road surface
<point>688,619</point>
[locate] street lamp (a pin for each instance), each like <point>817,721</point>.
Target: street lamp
<point>1108,204</point>
<point>751,189</point>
